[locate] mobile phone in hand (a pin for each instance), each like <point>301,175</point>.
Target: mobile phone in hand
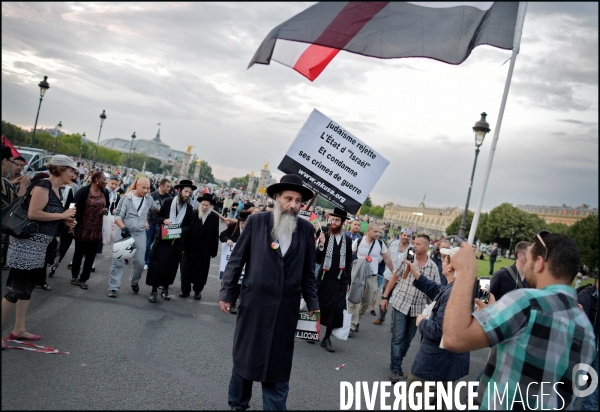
<point>410,255</point>
<point>71,205</point>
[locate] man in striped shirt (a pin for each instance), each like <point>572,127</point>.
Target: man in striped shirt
<point>538,336</point>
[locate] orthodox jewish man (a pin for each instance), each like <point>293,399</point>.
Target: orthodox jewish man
<point>231,236</point>
<point>200,244</point>
<point>334,254</point>
<point>278,251</point>
<point>166,253</point>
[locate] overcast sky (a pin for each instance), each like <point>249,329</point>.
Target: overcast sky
<point>184,65</point>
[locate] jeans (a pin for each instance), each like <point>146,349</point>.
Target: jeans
<point>117,265</point>
<point>590,402</point>
<point>240,391</point>
<point>405,328</point>
<point>150,233</point>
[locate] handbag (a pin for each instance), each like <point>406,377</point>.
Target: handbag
<point>15,221</point>
<point>108,229</point>
<point>343,332</point>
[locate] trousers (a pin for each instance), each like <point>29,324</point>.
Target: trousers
<point>117,265</point>
<point>405,328</point>
<point>359,310</point>
<point>240,392</point>
<point>150,233</point>
<point>87,250</point>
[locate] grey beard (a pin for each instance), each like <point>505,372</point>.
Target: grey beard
<point>283,223</point>
<point>202,215</point>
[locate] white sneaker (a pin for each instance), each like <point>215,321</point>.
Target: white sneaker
<point>145,267</point>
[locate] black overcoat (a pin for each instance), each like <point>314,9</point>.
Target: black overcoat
<point>263,342</point>
<point>200,244</point>
<point>331,290</point>
<point>166,254</point>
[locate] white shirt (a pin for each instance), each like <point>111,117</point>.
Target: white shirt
<point>363,250</point>
<point>396,256</point>
<point>136,201</point>
<point>284,242</point>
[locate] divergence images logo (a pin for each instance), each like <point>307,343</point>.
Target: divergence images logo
<point>585,380</point>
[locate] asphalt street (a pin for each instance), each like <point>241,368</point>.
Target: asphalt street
<point>130,354</point>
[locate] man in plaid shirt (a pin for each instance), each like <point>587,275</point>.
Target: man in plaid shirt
<point>537,335</point>
<point>408,303</point>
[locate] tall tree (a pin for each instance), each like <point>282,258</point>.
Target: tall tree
<point>503,220</point>
<point>585,234</point>
<point>454,227</point>
<point>238,182</point>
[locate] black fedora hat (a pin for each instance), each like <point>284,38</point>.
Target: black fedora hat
<point>185,183</point>
<point>337,212</point>
<point>207,196</point>
<point>290,182</point>
<point>244,215</point>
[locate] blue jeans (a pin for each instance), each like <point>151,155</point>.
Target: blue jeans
<point>405,328</point>
<point>150,233</point>
<point>240,391</point>
<point>590,402</point>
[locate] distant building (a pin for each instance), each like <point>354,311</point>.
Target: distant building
<point>54,132</point>
<point>156,148</point>
<point>431,221</point>
<point>559,214</point>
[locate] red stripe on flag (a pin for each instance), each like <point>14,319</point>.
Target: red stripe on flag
<point>349,21</point>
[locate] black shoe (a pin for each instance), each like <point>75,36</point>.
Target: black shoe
<point>135,288</point>
<point>70,265</point>
<point>351,334</point>
<point>184,295</point>
<point>233,310</point>
<point>326,343</point>
<point>356,328</point>
<point>152,297</point>
<point>93,269</point>
<point>53,269</point>
<point>373,313</point>
<point>165,294</point>
<point>197,296</point>
<point>46,286</point>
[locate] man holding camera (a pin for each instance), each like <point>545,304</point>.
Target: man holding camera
<point>408,302</point>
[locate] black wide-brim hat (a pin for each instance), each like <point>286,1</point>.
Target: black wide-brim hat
<point>206,196</point>
<point>290,182</point>
<point>244,215</point>
<point>185,183</point>
<point>337,212</point>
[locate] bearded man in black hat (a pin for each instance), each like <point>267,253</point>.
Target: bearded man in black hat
<point>200,244</point>
<point>278,252</point>
<point>165,255</point>
<point>334,254</point>
<point>231,236</point>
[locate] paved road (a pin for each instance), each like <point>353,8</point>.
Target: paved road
<point>128,353</point>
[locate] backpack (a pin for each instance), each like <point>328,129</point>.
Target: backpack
<point>580,288</point>
<point>516,278</point>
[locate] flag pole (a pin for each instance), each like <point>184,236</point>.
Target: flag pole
<point>516,45</point>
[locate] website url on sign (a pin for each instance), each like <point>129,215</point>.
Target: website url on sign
<point>322,185</point>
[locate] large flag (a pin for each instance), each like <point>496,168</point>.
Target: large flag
<point>14,151</point>
<point>445,31</point>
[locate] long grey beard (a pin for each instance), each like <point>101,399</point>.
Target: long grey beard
<point>202,215</point>
<point>283,223</point>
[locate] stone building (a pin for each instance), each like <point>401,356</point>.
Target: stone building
<point>431,221</point>
<point>559,214</point>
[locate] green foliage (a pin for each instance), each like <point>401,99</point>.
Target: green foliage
<point>557,228</point>
<point>368,202</point>
<point>585,234</point>
<point>503,220</point>
<point>375,211</point>
<point>14,134</point>
<point>238,182</point>
<point>323,203</point>
<point>205,173</point>
<point>454,227</point>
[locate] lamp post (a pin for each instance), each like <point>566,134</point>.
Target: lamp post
<point>58,129</point>
<point>43,87</point>
<point>81,146</point>
<point>481,128</point>
<point>102,119</point>
<point>129,155</point>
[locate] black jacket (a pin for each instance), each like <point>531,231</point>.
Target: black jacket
<point>81,198</point>
<point>589,302</point>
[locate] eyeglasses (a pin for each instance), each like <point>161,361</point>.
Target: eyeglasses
<point>540,237</point>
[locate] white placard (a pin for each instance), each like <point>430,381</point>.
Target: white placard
<point>225,255</point>
<point>333,162</point>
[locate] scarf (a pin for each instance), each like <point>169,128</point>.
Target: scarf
<point>174,217</point>
<point>329,254</point>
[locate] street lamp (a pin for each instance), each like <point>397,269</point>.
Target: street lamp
<point>102,119</point>
<point>481,128</point>
<point>81,147</point>
<point>58,129</point>
<point>43,87</point>
<point>129,155</point>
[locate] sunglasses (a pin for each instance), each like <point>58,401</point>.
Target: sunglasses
<point>540,236</point>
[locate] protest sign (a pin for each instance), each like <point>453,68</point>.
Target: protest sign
<point>225,255</point>
<point>169,232</point>
<point>333,162</point>
<point>308,327</point>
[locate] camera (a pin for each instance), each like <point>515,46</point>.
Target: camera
<point>410,255</point>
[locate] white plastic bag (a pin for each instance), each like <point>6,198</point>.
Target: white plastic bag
<point>343,332</point>
<point>108,229</point>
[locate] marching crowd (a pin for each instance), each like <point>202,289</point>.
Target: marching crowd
<point>537,326</point>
